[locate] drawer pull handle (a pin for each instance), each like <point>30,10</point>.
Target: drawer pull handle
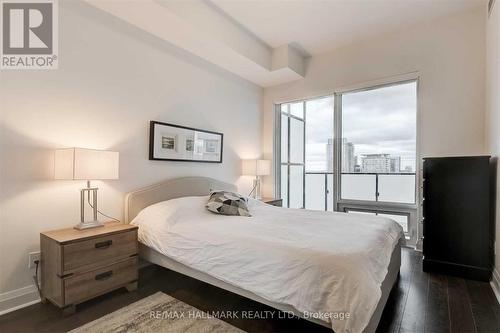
<point>103,245</point>
<point>104,276</point>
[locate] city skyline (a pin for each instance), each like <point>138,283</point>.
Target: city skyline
<point>379,121</point>
<point>353,163</point>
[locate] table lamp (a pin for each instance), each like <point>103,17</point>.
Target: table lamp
<point>256,168</point>
<point>86,164</point>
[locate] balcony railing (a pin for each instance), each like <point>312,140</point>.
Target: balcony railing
<point>319,191</point>
<point>384,187</point>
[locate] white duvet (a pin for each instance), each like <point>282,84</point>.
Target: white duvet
<point>331,264</point>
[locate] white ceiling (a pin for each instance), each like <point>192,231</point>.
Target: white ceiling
<point>203,30</point>
<point>316,26</point>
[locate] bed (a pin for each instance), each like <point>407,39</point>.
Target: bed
<point>316,275</point>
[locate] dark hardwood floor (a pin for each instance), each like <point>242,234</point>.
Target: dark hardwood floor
<point>420,302</point>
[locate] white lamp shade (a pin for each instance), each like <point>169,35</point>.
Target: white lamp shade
<point>86,164</point>
<point>256,167</point>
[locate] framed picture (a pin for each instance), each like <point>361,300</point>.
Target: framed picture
<point>169,142</point>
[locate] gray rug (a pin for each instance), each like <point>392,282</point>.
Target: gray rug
<point>157,313</point>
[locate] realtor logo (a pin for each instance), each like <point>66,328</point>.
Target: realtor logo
<point>29,34</point>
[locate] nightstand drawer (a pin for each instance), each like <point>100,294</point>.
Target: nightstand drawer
<point>101,249</point>
<point>88,285</point>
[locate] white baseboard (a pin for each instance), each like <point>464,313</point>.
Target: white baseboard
<point>495,284</point>
<point>19,298</point>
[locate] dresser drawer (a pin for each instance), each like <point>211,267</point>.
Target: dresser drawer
<point>84,286</point>
<point>99,250</point>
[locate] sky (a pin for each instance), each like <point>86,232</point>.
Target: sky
<point>381,120</point>
<point>319,128</point>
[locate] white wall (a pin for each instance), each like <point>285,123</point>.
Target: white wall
<point>112,80</point>
<point>493,115</point>
<point>449,56</point>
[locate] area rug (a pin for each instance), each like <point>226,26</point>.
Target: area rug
<point>157,313</point>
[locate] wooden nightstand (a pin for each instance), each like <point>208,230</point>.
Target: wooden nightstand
<point>77,265</point>
<point>278,202</point>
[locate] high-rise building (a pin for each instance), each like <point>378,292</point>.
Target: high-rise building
<point>380,163</point>
<point>348,157</point>
<point>395,162</point>
<point>329,156</point>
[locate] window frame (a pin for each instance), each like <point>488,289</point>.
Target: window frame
<point>414,210</point>
<point>410,214</point>
<point>410,209</point>
<point>277,144</point>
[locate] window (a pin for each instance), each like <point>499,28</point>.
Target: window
<point>319,153</point>
<point>379,129</point>
<point>401,219</point>
<point>292,154</point>
<point>306,144</point>
<point>378,145</point>
<point>353,151</point>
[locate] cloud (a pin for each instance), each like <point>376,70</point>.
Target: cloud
<point>382,118</point>
<point>377,121</point>
<point>319,120</point>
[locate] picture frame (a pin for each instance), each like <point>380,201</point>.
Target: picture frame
<point>170,142</point>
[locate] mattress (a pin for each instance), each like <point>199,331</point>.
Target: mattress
<point>321,264</point>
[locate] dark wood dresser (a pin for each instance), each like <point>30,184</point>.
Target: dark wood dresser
<point>458,216</point>
<point>77,265</point>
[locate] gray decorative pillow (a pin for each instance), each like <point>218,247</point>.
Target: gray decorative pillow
<point>227,203</point>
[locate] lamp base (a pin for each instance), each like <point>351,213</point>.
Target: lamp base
<point>88,225</point>
<point>256,188</point>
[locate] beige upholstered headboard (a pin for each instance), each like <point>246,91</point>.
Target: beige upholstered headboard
<point>170,189</point>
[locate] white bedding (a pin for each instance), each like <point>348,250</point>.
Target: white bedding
<point>318,262</point>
